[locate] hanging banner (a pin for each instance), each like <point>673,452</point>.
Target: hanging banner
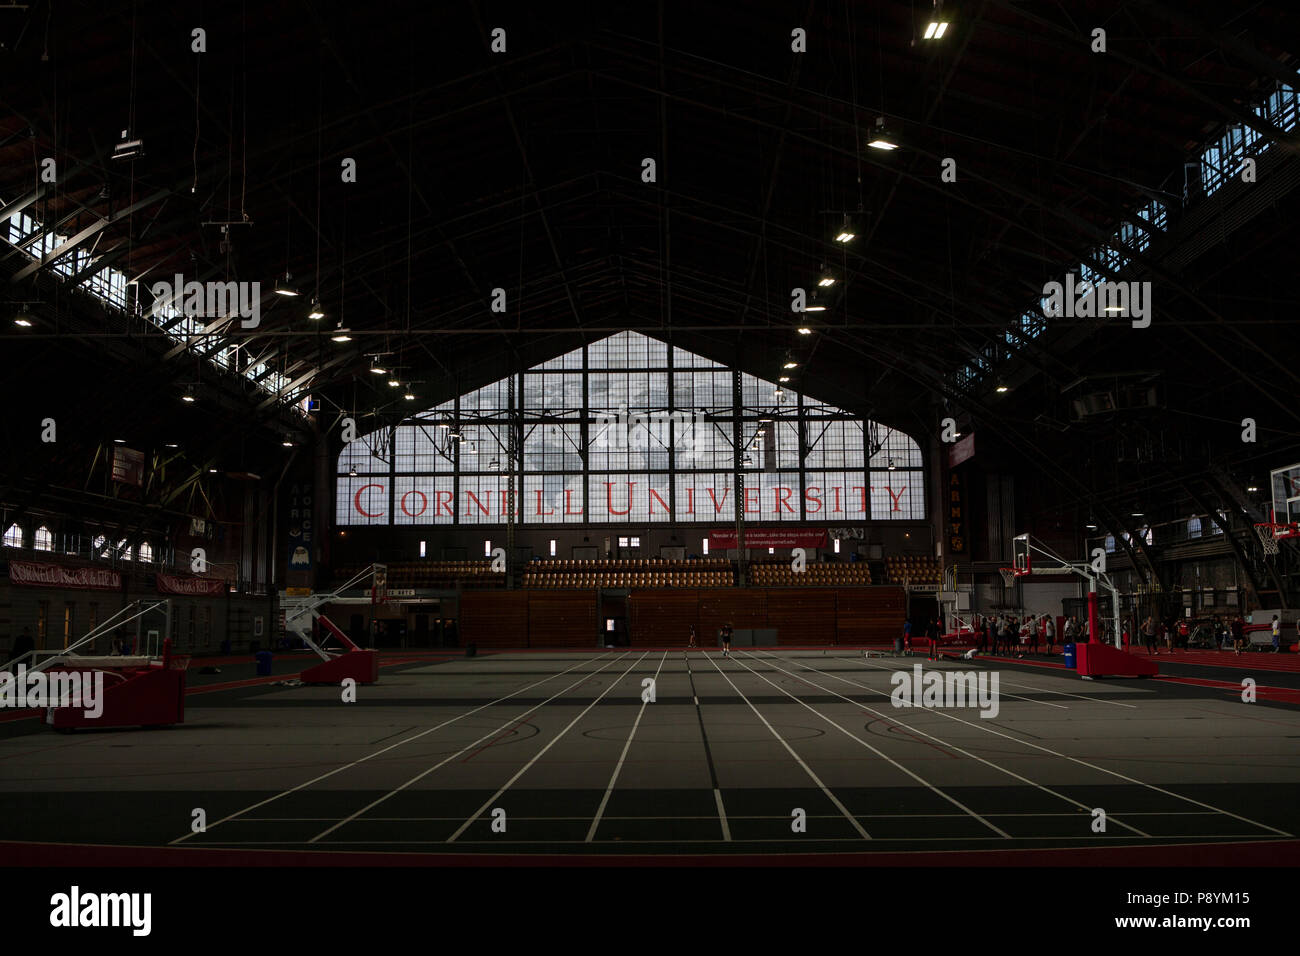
<point>128,466</point>
<point>31,574</point>
<point>770,538</point>
<point>300,526</point>
<point>956,513</point>
<point>172,584</point>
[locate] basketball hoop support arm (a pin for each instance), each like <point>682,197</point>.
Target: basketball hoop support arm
<point>1084,570</point>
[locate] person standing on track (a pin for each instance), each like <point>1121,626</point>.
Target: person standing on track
<point>1277,634</point>
<point>1149,636</point>
<point>692,641</point>
<point>1049,631</point>
<point>1238,635</point>
<point>932,635</point>
<point>726,639</point>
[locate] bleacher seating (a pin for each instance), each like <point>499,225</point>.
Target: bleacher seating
<point>629,573</point>
<point>780,575</point>
<point>436,575</point>
<point>913,569</point>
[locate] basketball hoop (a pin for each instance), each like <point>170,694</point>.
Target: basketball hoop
<point>1009,576</point>
<point>1270,534</point>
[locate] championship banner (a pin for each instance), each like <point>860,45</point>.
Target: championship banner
<point>770,538</point>
<point>31,574</point>
<point>172,584</point>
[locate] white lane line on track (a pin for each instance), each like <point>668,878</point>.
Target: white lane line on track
<point>538,756</point>
<point>513,721</point>
<point>893,718</point>
<point>392,746</point>
<point>807,769</point>
<point>604,801</point>
<point>1076,760</point>
<point>879,753</point>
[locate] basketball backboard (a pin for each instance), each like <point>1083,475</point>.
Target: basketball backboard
<point>1020,555</point>
<point>1285,487</point>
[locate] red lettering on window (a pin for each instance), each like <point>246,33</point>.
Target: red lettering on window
<point>424,503</point>
<point>356,501</point>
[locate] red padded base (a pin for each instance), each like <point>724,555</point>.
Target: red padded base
<point>147,698</point>
<point>361,666</point>
<point>1102,660</point>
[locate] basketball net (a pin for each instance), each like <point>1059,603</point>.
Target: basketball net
<point>379,587</point>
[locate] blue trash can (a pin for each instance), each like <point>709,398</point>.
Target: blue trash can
<point>1069,656</point>
<point>263,663</point>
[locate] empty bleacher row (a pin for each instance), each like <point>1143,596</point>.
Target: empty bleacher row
<point>432,574</point>
<point>630,573</point>
<point>912,569</point>
<point>635,573</point>
<point>814,575</point>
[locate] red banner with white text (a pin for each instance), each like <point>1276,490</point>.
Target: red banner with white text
<point>206,587</point>
<point>770,538</point>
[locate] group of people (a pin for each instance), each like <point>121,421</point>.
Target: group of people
<point>1025,634</point>
<point>1175,632</point>
<point>724,638</point>
<point>1006,633</point>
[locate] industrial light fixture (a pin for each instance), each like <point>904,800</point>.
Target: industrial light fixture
<point>1000,389</point>
<point>128,148</point>
<point>494,463</point>
<point>394,383</point>
<point>1091,527</point>
<point>846,233</point>
<point>286,287</point>
<point>287,444</point>
<point>789,365</point>
<point>341,334</point>
<point>783,378</point>
<point>315,312</point>
<point>746,460</point>
<point>409,396</point>
<point>378,370</point>
<point>804,330</point>
<point>814,308</point>
<point>826,281</point>
<point>443,425</point>
<point>119,441</point>
<point>1136,514</point>
<point>23,319</point>
<point>891,464</point>
<point>188,397</point>
<point>171,445</point>
<point>212,471</point>
<point>1252,489</point>
<point>935,30</point>
<point>882,139</point>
